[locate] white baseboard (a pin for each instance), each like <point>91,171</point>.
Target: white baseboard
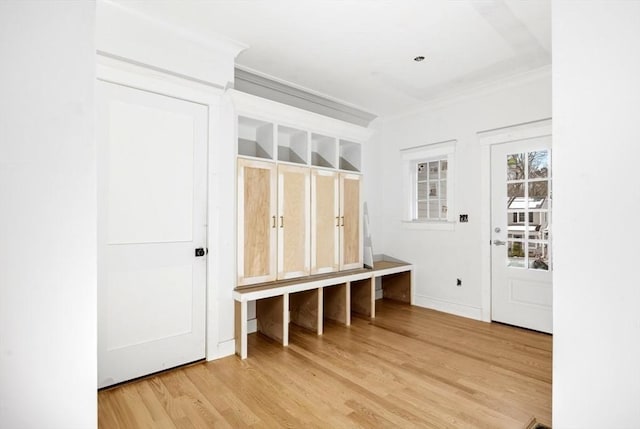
<point>224,349</point>
<point>252,326</point>
<point>451,307</point>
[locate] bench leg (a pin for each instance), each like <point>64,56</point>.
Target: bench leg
<point>241,328</point>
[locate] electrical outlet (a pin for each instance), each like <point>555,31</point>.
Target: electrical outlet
<point>458,282</point>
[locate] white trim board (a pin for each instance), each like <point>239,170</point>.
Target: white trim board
<point>451,307</point>
<point>486,139</point>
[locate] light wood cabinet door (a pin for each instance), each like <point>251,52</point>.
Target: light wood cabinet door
<point>257,222</point>
<point>350,222</point>
<point>325,222</point>
<point>294,210</point>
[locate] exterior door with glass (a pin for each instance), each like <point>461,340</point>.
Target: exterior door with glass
<point>521,280</point>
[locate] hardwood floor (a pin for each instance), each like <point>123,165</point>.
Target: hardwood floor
<point>410,367</point>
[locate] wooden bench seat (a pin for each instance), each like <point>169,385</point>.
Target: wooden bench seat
<point>307,301</point>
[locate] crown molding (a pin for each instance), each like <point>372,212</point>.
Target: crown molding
<point>475,91</point>
<point>262,86</point>
<point>129,35</point>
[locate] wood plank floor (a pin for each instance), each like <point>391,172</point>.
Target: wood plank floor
<point>410,367</point>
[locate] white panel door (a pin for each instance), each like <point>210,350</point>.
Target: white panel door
<point>521,279</point>
<point>152,152</point>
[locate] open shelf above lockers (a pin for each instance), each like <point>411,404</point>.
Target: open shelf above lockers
<point>323,151</point>
<point>277,132</point>
<point>293,145</point>
<point>255,138</point>
<point>350,156</point>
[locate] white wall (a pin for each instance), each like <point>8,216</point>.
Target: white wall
<point>440,257</point>
<point>596,348</point>
<point>47,215</point>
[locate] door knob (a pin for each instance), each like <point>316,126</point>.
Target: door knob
<point>201,251</point>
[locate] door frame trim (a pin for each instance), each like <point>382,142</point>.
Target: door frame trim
<point>486,139</point>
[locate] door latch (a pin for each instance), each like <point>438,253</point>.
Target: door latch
<point>201,251</point>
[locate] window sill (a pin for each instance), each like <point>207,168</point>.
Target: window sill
<point>429,226</point>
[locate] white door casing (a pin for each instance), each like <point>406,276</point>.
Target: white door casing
<point>521,263</point>
<point>152,214</point>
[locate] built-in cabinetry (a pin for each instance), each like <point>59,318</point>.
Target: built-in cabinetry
<point>299,192</point>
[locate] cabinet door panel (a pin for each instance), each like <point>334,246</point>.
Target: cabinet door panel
<point>256,227</point>
<point>351,223</point>
<point>324,222</point>
<point>293,219</point>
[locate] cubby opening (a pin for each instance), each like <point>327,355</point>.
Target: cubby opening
<point>255,138</point>
<point>323,151</point>
<point>293,145</point>
<point>350,156</point>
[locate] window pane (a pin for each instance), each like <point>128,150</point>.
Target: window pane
<point>515,166</point>
<point>423,190</point>
<point>515,254</point>
<point>433,170</point>
<point>443,168</point>
<point>422,171</point>
<point>538,164</point>
<point>444,209</point>
<point>434,209</point>
<point>422,209</point>
<point>433,189</point>
<point>539,256</point>
<point>443,188</point>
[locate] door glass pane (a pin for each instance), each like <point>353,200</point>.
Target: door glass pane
<point>538,191</point>
<point>538,164</point>
<point>515,254</point>
<point>539,256</point>
<point>515,190</point>
<point>515,166</point>
<point>528,210</point>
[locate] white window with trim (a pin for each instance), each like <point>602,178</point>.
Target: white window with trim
<point>428,184</point>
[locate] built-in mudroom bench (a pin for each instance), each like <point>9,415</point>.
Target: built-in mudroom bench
<point>308,301</point>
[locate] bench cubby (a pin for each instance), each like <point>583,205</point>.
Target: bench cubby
<point>308,301</point>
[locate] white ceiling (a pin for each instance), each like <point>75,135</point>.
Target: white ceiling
<point>360,52</point>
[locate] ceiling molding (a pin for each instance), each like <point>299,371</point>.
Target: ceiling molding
<point>465,94</point>
<point>262,86</point>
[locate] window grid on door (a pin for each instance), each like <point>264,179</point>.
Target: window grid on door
<point>528,210</point>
